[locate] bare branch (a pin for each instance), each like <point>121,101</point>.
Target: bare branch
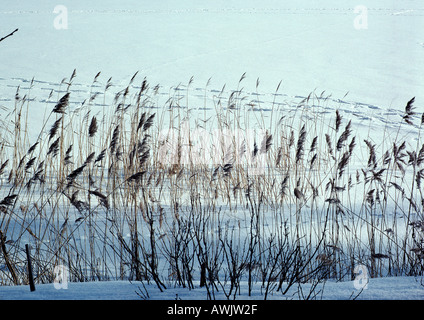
<point>10,34</point>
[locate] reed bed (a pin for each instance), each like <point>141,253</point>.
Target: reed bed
<point>232,191</point>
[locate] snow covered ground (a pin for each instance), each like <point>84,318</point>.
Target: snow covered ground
<point>308,46</point>
<point>393,288</point>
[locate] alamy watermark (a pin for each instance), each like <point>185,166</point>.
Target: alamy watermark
<point>61,20</point>
<point>361,20</point>
<point>61,277</point>
<point>362,278</point>
<point>216,147</point>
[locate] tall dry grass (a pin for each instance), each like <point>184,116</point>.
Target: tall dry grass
<point>234,191</point>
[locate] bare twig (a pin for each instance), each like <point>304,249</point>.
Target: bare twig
<point>10,34</point>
